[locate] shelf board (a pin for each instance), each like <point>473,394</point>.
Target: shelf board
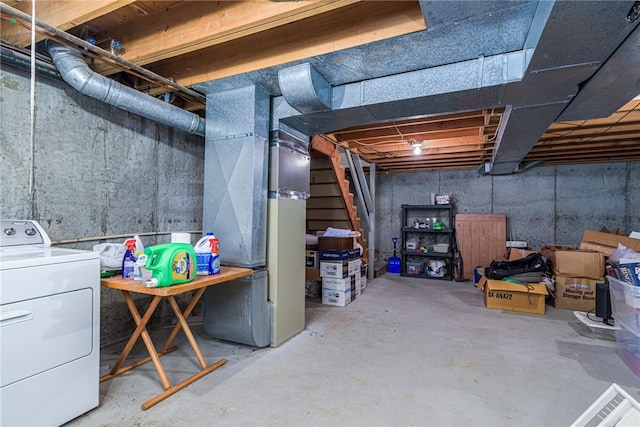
<point>418,207</point>
<point>425,230</point>
<point>427,254</point>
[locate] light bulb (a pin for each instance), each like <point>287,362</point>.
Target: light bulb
<point>417,150</point>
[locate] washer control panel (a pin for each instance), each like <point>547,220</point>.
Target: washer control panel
<point>22,233</point>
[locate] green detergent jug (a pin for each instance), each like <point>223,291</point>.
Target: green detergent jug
<point>170,264</point>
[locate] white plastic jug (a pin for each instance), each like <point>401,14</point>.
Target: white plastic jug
<point>203,255</point>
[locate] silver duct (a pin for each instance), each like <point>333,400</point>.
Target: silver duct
<point>76,72</point>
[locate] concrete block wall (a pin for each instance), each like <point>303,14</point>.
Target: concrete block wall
<point>553,204</point>
<point>98,171</point>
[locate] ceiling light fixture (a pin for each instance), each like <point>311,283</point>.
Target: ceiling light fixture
<point>416,145</point>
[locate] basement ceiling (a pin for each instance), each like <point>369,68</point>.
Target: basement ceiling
<point>572,91</point>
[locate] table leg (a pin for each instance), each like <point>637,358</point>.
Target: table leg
<point>159,398</point>
<point>187,312</point>
<point>140,330</point>
<point>187,331</point>
<point>182,324</point>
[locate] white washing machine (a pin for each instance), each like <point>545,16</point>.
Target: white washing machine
<point>49,328</point>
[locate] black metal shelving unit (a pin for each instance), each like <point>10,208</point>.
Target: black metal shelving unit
<point>427,237</point>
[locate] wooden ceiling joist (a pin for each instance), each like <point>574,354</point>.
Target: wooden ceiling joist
<point>177,30</point>
<point>62,14</point>
<point>349,26</point>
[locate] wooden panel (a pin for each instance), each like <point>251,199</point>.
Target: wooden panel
<point>323,176</point>
<point>323,190</point>
<point>482,238</point>
<point>325,203</point>
<point>327,214</point>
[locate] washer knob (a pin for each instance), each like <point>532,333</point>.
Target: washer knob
<point>30,232</point>
<point>10,231</point>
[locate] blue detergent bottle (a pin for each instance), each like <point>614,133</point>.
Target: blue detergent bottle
<point>129,259</point>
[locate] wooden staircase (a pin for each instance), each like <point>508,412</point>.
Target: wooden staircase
<point>331,203</point>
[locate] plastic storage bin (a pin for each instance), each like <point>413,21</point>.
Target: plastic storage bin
<point>625,305</point>
<point>414,268</point>
<point>412,244</point>
<point>441,248</point>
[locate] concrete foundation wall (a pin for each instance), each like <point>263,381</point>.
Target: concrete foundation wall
<point>98,171</point>
<point>545,205</point>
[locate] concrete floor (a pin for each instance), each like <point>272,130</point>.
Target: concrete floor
<point>407,352</point>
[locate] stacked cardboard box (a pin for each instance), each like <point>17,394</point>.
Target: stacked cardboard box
<point>341,276</point>
<point>335,268</point>
<point>576,273</point>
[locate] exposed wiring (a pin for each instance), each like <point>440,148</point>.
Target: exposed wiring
<point>605,321</point>
<point>493,137</point>
<point>634,108</point>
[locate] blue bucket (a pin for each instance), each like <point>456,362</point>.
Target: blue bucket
<point>394,265</point>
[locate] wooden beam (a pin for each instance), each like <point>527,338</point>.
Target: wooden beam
<point>457,136</point>
<point>180,30</point>
<point>62,14</point>
<point>333,31</point>
<point>323,146</point>
<point>410,129</point>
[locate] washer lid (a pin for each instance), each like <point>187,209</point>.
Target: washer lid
<point>25,256</point>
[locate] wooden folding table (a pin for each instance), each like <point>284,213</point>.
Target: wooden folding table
<point>199,285</point>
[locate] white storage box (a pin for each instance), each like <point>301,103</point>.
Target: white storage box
<point>338,298</point>
<point>441,248</point>
<point>412,244</point>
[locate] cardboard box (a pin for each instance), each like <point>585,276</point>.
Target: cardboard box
<point>503,295</point>
<point>337,298</point>
<point>337,269</point>
<point>575,293</point>
<point>607,242</point>
<point>357,285</point>
<point>312,274</point>
<point>577,263</point>
<point>336,254</point>
<point>516,253</point>
<point>354,266</point>
<point>629,273</point>
<point>311,259</point>
<point>325,243</point>
<point>548,250</point>
<point>616,230</point>
<point>333,284</point>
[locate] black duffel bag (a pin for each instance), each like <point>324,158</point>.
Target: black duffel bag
<point>532,263</point>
